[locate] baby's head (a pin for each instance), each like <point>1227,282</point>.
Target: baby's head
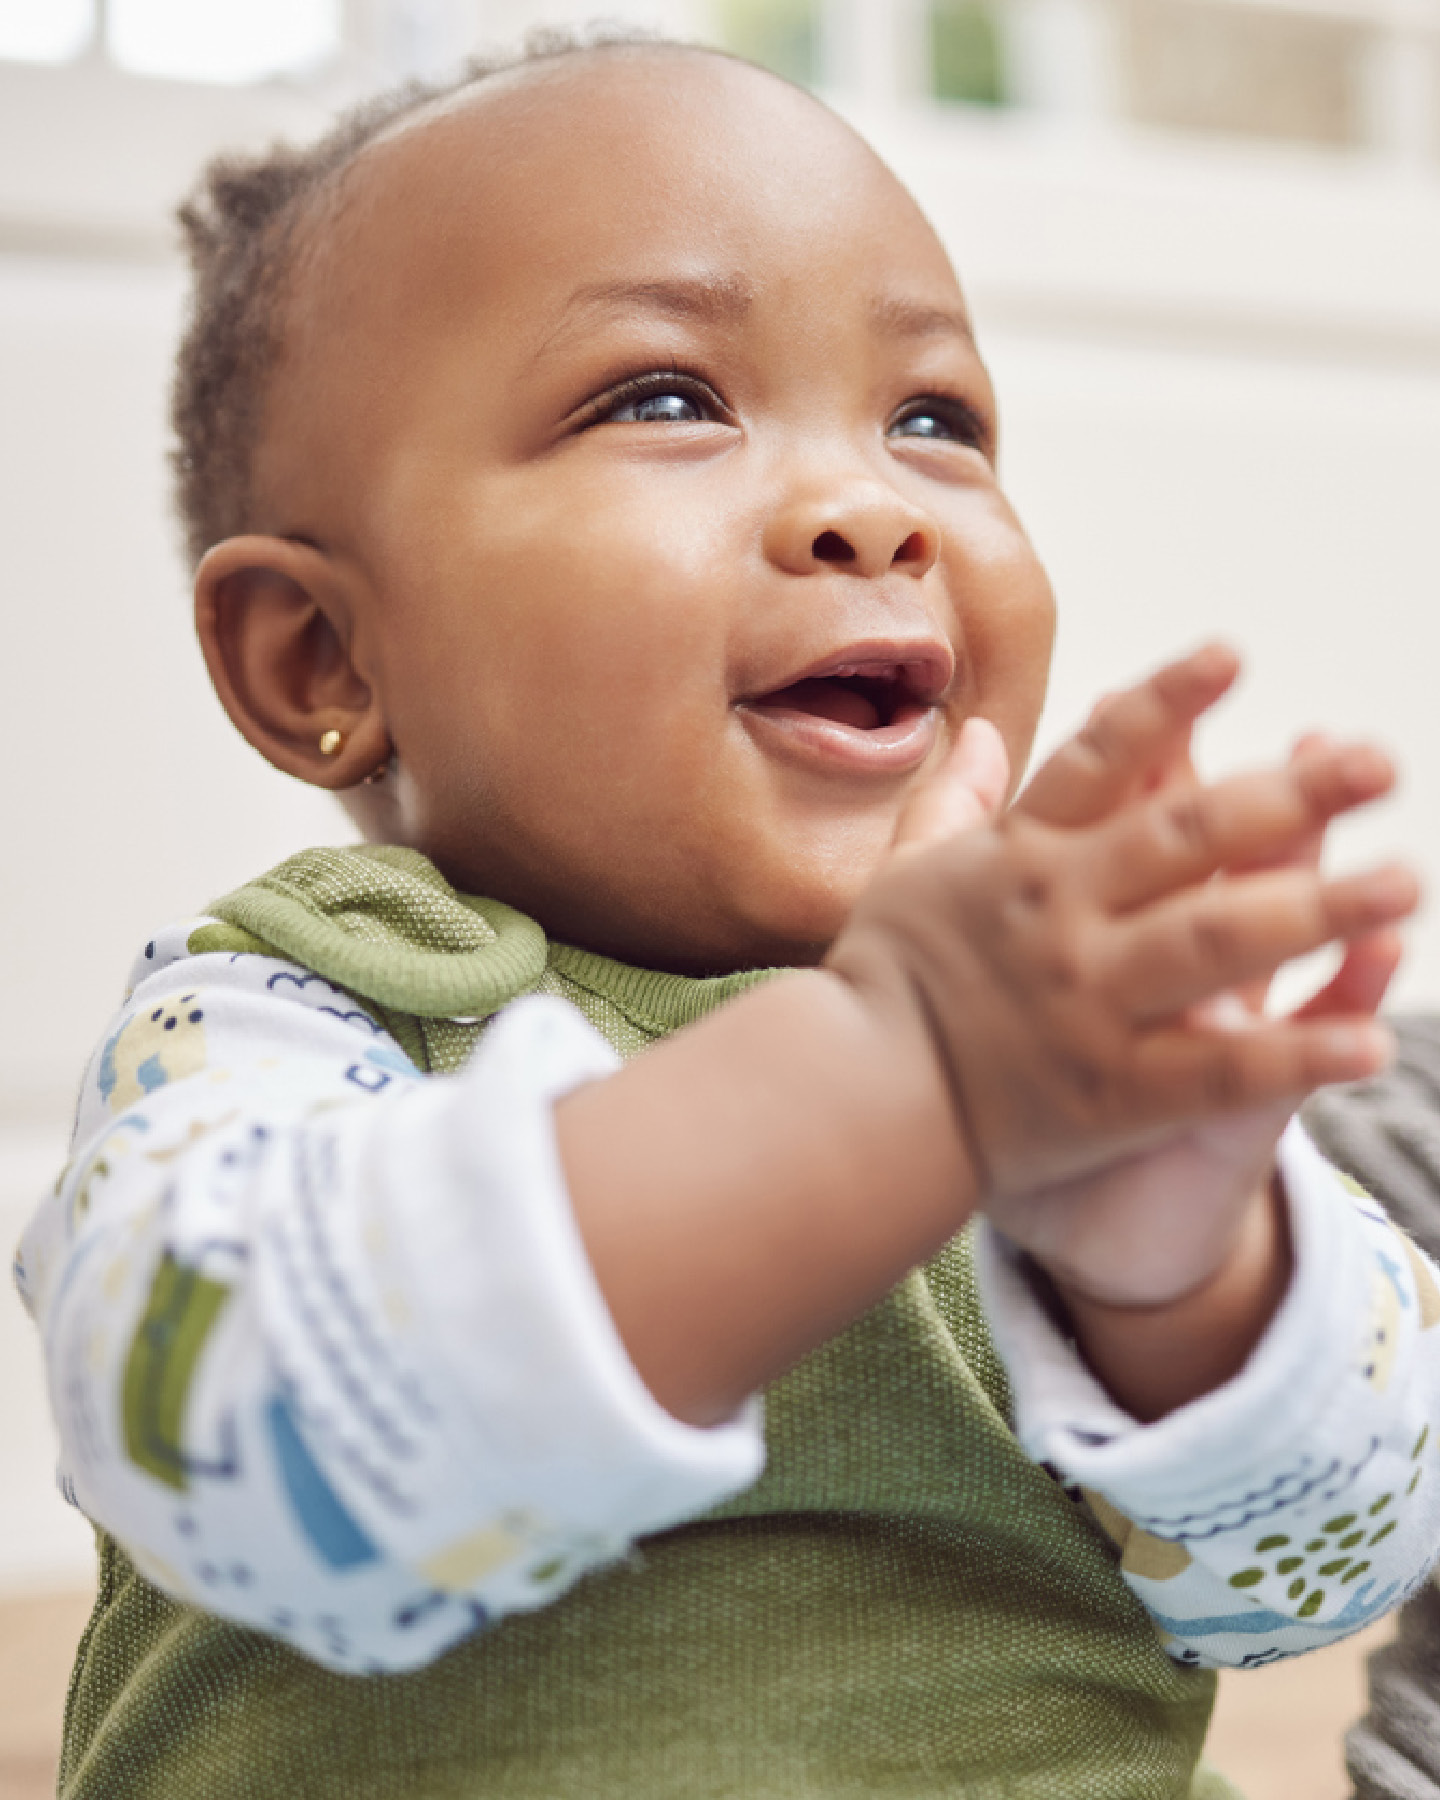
<point>601,451</point>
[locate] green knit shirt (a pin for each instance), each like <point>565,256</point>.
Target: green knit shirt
<point>903,1605</point>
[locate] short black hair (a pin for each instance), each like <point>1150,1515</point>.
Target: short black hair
<point>242,229</point>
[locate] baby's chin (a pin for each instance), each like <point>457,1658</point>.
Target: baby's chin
<point>796,935</point>
<point>752,908</point>
<point>703,948</point>
<point>702,938</point>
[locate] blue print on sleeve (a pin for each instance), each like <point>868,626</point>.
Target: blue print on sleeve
<point>1363,1605</point>
<point>323,1518</point>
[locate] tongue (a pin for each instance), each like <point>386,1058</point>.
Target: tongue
<point>828,700</point>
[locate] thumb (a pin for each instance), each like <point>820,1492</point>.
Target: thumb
<point>966,790</point>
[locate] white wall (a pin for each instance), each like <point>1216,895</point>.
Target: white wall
<point>1221,382</point>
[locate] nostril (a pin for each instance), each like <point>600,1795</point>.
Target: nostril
<point>831,547</point>
<point>915,549</point>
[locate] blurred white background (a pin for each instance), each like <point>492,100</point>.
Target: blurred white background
<point>1202,240</point>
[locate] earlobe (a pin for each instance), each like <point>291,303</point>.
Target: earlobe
<point>276,626</point>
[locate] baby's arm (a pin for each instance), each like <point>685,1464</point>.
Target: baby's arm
<point>1292,1505</point>
<point>323,1347</point>
<point>1171,1262</point>
<point>1297,1502</point>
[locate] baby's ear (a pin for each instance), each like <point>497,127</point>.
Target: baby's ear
<point>276,624</point>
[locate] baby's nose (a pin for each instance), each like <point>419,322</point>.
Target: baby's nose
<point>835,547</point>
<point>868,531</point>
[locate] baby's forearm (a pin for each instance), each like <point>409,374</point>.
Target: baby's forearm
<point>1152,1359</point>
<point>302,1311</point>
<point>1290,1505</point>
<point>747,1188</point>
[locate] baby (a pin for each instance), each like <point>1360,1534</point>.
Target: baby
<point>591,475</point>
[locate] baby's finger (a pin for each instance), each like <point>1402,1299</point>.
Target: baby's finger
<point>1360,983</point>
<point>1129,737</point>
<point>1305,852</point>
<point>968,788</point>
<point>1185,835</point>
<point>1192,1074</point>
<point>1209,941</point>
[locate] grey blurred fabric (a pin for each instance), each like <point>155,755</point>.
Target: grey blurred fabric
<point>1386,1133</point>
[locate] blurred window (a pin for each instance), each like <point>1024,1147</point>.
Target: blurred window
<point>183,40</point>
<point>784,35</point>
<point>1330,73</point>
<point>222,40</point>
<point>966,59</point>
<point>1248,71</point>
<point>45,31</point>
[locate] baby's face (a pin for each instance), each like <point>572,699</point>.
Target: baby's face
<point>637,406</point>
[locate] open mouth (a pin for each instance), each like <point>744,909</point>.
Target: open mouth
<point>863,696</point>
<point>867,711</point>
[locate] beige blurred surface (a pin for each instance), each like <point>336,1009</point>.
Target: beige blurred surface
<point>38,1634</point>
<point>1277,1734</point>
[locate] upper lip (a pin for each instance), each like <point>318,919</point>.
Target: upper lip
<point>922,670</point>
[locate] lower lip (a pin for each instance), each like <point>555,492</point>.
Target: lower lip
<point>829,747</point>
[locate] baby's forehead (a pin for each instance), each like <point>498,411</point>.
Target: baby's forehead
<point>644,103</point>
<point>569,163</point>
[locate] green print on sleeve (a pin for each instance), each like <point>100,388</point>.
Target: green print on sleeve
<point>179,1317</point>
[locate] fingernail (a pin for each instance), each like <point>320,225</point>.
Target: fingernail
<point>1392,890</point>
<point>1363,767</point>
<point>1360,1044</point>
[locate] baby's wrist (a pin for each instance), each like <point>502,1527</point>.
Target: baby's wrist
<point>1154,1355</point>
<point>907,1059</point>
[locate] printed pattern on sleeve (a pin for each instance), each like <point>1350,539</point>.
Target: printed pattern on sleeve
<point>1300,1501</point>
<point>302,1308</point>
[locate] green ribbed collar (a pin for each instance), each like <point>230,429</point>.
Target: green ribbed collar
<point>384,924</point>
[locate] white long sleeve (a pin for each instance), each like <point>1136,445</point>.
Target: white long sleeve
<point>1302,1499</point>
<point>324,1348</point>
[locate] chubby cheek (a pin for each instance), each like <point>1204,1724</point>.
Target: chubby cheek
<point>605,680</point>
<point>556,680</point>
<point>1009,641</point>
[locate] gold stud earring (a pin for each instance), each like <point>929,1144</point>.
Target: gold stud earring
<point>330,742</point>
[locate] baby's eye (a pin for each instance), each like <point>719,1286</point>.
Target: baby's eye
<point>661,409</point>
<point>951,421</point>
<point>658,397</point>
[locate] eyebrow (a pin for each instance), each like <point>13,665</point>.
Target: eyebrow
<point>898,317</point>
<point>725,299</point>
<point>720,298</point>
